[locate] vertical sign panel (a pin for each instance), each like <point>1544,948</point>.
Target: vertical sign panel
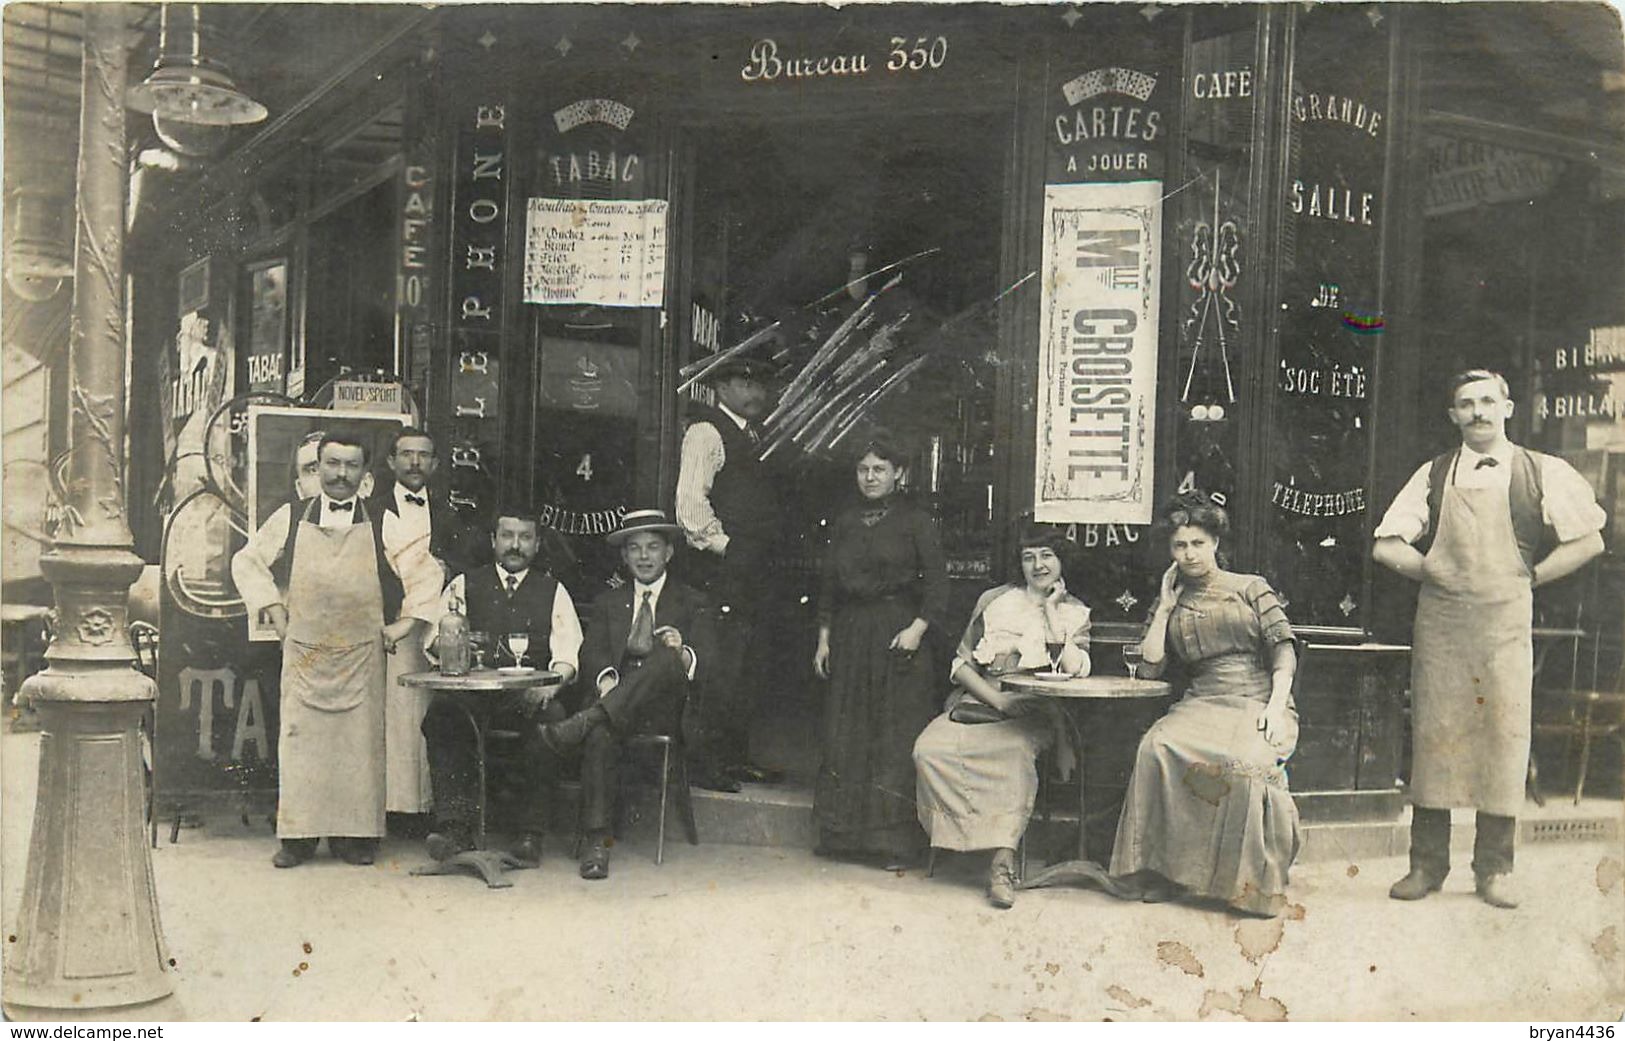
<point>1329,318</point>
<point>1098,355</point>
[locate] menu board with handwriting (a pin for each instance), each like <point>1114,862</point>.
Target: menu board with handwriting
<point>593,251</point>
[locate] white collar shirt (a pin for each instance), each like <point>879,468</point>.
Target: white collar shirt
<point>332,518</point>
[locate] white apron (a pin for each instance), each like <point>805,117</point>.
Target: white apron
<point>330,774</point>
<point>406,753</point>
<point>1472,664</point>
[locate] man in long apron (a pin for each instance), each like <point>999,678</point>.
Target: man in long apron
<point>1473,527</point>
<point>339,589</point>
<point>413,522</point>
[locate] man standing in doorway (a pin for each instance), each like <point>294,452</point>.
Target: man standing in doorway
<point>730,513</point>
<point>340,589</point>
<point>1478,527</point>
<point>413,522</point>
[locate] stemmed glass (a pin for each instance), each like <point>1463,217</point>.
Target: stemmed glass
<point>1133,655</point>
<point>478,644</point>
<point>518,643</point>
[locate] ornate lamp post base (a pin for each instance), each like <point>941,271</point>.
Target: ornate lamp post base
<point>87,932</point>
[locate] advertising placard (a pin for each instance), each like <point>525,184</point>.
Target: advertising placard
<point>1097,366</point>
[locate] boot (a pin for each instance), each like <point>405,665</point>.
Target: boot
<point>1001,879</point>
<point>1430,854</point>
<point>1493,843</point>
<point>293,852</point>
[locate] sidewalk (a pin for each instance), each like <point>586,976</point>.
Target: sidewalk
<point>736,932</point>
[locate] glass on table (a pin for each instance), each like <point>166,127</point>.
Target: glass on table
<point>1133,657</point>
<point>518,644</point>
<point>479,644</point>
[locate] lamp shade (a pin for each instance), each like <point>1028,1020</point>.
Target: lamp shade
<point>186,87</point>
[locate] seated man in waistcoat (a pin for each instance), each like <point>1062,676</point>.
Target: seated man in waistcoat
<point>510,596</point>
<point>645,643</point>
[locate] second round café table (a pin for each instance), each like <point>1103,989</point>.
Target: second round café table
<point>476,693</point>
<point>1074,694</point>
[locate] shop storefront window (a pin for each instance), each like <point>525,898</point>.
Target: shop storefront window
<point>1331,316</point>
<point>806,224</point>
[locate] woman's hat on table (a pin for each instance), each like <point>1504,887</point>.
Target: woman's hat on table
<point>643,520</point>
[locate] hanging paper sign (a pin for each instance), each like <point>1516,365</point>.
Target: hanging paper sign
<point>1097,364</point>
<point>366,396</point>
<point>593,251</point>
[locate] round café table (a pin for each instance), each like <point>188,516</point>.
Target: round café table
<point>477,693</point>
<point>1076,695</point>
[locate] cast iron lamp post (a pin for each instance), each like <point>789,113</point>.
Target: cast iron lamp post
<point>87,933</point>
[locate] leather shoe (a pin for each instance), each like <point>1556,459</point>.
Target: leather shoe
<point>714,781</point>
<point>359,852</point>
<point>528,849</point>
<point>293,852</point>
<point>595,864</point>
<point>750,773</point>
<point>565,735</point>
<point>1415,885</point>
<point>1001,887</point>
<point>1497,890</point>
<point>443,845</point>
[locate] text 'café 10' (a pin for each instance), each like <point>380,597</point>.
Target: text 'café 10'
<point>1076,259</point>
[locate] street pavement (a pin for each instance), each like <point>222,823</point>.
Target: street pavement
<point>738,933</point>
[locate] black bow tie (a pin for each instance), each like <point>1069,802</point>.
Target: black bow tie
<point>1486,461</point>
<point>416,500</point>
<point>342,507</point>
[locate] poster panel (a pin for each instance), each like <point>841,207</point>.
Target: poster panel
<point>274,437</point>
<point>1097,364</point>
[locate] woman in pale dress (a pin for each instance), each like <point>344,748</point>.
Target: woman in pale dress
<point>1207,812</point>
<point>976,774</point>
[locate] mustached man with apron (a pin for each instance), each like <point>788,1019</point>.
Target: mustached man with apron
<point>318,572</point>
<point>1474,527</point>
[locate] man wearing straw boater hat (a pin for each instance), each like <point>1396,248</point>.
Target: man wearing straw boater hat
<point>731,515</point>
<point>645,645</point>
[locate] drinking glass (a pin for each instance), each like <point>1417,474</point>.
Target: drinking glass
<point>1054,651</point>
<point>478,644</point>
<point>1133,655</point>
<point>518,643</point>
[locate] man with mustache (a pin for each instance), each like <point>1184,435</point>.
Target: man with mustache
<point>730,510</point>
<point>511,596</point>
<point>1478,527</point>
<point>415,520</point>
<point>341,587</point>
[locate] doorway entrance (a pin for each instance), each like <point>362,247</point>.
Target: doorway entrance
<point>872,246</point>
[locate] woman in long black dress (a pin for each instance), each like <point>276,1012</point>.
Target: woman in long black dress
<point>884,584</point>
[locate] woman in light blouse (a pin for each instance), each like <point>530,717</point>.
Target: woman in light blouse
<point>976,763</point>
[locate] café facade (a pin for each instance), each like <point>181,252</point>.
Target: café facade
<point>1116,252</point>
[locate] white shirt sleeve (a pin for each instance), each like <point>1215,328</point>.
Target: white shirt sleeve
<point>251,565</point>
<point>565,639</point>
<point>1407,516</point>
<point>702,458</point>
<point>420,577</point>
<point>1568,503</point>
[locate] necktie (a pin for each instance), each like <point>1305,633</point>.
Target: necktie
<point>417,500</point>
<point>513,583</point>
<point>642,640</point>
<point>1486,461</point>
<point>753,432</point>
<point>341,507</point>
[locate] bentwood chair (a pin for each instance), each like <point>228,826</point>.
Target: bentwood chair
<point>144,638</point>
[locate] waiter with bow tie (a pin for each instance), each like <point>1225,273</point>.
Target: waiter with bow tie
<point>645,644</point>
<point>323,580</point>
<point>1478,527</point>
<point>415,522</point>
<point>729,508</point>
